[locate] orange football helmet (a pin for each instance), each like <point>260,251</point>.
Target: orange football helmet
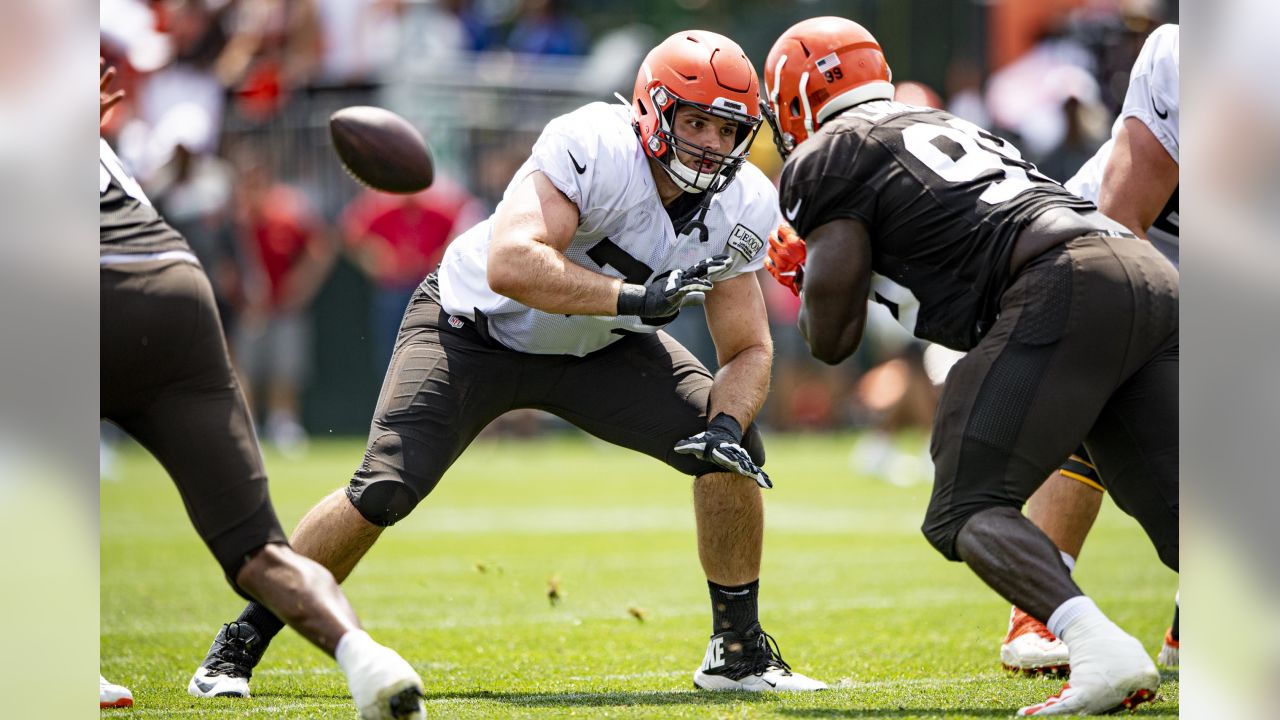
<point>820,66</point>
<point>711,73</point>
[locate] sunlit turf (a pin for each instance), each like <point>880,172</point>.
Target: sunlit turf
<point>850,589</point>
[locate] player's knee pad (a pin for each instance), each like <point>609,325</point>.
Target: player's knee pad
<point>382,502</point>
<point>394,477</point>
<point>942,524</point>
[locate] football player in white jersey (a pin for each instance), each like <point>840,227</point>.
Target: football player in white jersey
<point>1133,178</point>
<point>622,215</point>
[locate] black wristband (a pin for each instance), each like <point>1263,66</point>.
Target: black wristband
<point>630,299</point>
<point>726,422</point>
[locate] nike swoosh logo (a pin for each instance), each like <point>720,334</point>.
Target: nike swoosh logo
<point>770,684</point>
<point>1162,115</point>
<point>580,168</point>
<point>791,214</point>
<point>730,592</point>
<point>204,687</point>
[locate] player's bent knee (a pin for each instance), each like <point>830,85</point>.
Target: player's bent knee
<point>752,442</point>
<point>394,477</point>
<point>942,529</point>
<point>1168,552</point>
<point>382,502</point>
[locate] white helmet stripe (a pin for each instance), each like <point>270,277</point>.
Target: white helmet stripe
<point>777,82</point>
<point>804,102</point>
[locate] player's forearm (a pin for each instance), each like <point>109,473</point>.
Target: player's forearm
<point>536,275</point>
<point>742,384</point>
<point>830,339</point>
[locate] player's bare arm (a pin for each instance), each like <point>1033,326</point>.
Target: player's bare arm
<point>837,282</point>
<point>531,231</point>
<point>1139,178</point>
<point>740,329</point>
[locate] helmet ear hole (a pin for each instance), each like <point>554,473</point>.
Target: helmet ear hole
<point>795,106</point>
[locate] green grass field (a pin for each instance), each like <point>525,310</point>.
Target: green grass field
<point>851,590</point>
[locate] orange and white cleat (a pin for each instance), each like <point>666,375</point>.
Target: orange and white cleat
<point>1030,648</point>
<point>1069,701</point>
<point>1169,652</point>
<point>1110,671</point>
<point>111,695</point>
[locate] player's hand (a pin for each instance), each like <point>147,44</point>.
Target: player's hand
<point>786,258</point>
<point>721,443</point>
<point>665,296</point>
<point>107,99</point>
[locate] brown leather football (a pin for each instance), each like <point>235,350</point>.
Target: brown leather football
<point>381,149</point>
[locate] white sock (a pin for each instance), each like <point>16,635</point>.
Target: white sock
<point>1078,612</point>
<point>351,647</point>
<point>1069,561</point>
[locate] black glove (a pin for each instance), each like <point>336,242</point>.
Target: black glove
<point>664,297</point>
<point>721,443</point>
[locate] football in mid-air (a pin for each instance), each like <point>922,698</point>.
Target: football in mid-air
<point>381,149</point>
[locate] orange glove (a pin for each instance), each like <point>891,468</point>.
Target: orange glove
<point>786,258</point>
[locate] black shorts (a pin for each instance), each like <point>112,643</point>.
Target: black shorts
<point>1085,349</point>
<point>447,380</point>
<point>167,381</point>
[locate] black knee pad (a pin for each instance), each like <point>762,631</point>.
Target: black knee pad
<point>942,536</point>
<point>1168,552</point>
<point>942,529</point>
<point>382,502</point>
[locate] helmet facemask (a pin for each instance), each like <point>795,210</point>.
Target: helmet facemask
<point>711,171</point>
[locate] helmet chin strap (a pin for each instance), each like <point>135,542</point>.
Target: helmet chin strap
<point>688,179</point>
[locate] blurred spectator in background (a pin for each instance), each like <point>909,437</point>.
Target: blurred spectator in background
<point>917,93</point>
<point>275,46</point>
<point>478,28</point>
<point>964,92</point>
<point>288,256</point>
<point>1086,130</point>
<point>358,38</point>
<point>194,191</point>
<point>396,240</point>
<point>545,28</point>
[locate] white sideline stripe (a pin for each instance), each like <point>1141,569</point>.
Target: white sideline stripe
<point>941,682</point>
<point>631,676</point>
<point>228,706</point>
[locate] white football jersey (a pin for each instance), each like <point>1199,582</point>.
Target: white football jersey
<point>594,157</point>
<point>1153,98</point>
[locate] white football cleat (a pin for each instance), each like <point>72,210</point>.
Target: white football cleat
<point>749,662</point>
<point>111,695</point>
<point>225,672</point>
<point>1029,647</point>
<point>384,686</point>
<point>207,683</point>
<point>1113,673</point>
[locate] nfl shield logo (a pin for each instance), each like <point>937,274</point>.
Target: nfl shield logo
<point>455,321</point>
